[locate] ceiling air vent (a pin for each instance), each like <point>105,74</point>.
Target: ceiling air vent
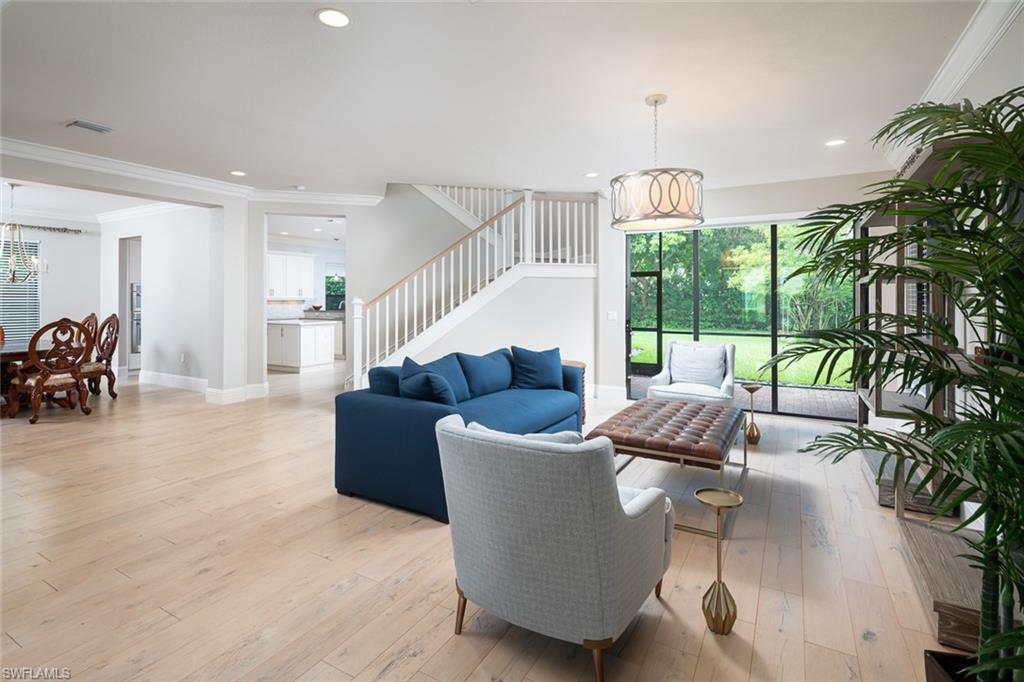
<point>89,125</point>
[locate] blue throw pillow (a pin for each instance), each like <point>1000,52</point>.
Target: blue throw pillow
<point>489,373</point>
<point>384,380</point>
<point>448,367</point>
<point>537,369</point>
<point>427,386</point>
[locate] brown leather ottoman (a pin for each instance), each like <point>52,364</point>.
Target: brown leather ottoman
<point>697,434</point>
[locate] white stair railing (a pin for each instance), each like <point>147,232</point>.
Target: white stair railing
<point>565,228</point>
<point>547,228</point>
<point>482,202</point>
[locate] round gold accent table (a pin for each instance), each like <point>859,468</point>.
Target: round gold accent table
<point>718,605</point>
<point>753,432</point>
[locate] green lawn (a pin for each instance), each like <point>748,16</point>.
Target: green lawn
<point>751,353</point>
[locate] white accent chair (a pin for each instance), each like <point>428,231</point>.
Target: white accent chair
<point>543,536</point>
<point>696,372</point>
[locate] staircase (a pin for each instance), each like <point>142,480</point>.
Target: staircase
<point>524,230</point>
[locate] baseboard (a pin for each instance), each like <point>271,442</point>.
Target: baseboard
<point>253,391</point>
<point>609,392</point>
<point>172,380</point>
<point>225,396</point>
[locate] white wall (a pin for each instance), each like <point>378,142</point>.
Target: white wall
<point>536,313</point>
<point>322,255</point>
<point>71,287</point>
<point>175,288</point>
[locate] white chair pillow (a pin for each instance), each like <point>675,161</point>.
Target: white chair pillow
<point>697,364</point>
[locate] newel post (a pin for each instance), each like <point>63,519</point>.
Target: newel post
<point>357,343</point>
<point>527,226</point>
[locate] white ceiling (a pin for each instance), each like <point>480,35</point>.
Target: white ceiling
<point>495,94</point>
<point>64,203</point>
<point>319,229</point>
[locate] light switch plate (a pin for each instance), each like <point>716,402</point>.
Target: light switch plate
<point>613,315</point>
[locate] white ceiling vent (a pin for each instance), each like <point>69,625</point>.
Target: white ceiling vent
<point>89,125</point>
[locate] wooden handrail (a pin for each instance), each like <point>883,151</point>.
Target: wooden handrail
<point>448,249</point>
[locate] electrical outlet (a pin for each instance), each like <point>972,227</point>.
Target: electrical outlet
<point>182,358</point>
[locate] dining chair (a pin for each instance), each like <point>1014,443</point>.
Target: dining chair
<point>54,369</point>
<point>91,323</point>
<point>106,347</point>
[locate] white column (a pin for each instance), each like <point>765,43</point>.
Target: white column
<point>527,244</point>
<point>357,343</point>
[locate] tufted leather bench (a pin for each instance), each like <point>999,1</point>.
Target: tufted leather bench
<point>697,434</point>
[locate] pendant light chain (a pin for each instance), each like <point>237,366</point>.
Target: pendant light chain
<point>655,134</point>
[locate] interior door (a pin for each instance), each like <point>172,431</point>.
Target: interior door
<point>643,326</point>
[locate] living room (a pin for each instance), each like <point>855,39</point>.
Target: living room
<point>667,341</point>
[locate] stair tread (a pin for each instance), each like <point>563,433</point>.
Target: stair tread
<point>949,577</point>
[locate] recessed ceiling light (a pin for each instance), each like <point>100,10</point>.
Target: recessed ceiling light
<point>590,175</point>
<point>318,229</point>
<point>238,174</point>
<point>299,188</point>
<point>834,143</point>
<point>332,17</point>
<point>285,234</point>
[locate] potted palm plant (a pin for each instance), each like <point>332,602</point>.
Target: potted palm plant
<point>964,223</point>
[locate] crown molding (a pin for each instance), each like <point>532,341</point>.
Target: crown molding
<point>143,211</point>
<point>33,151</point>
<point>53,214</point>
<point>989,23</point>
<point>296,197</point>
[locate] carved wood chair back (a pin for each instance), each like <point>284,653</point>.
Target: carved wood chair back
<point>71,344</point>
<point>91,323</point>
<point>106,339</point>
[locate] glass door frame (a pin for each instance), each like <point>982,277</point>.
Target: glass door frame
<point>773,383</point>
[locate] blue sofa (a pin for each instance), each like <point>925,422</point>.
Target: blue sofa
<point>385,446</point>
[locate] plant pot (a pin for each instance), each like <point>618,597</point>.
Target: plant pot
<point>942,666</point>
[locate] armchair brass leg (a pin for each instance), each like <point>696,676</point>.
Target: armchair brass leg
<point>597,648</point>
<point>657,589</point>
<point>460,612</point>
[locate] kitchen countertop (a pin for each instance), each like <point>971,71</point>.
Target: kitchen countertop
<point>324,315</point>
<point>304,323</point>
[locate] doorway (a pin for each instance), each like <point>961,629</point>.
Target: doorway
<point>130,301</point>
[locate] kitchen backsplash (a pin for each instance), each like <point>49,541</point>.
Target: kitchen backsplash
<point>285,310</point>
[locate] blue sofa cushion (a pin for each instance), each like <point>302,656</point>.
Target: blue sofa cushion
<point>448,367</point>
<point>487,373</point>
<point>429,386</point>
<point>384,380</point>
<point>521,412</point>
<point>537,369</point>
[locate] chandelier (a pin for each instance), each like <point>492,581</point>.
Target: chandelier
<point>657,199</point>
<point>17,256</point>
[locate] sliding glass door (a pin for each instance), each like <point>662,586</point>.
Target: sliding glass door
<point>729,285</point>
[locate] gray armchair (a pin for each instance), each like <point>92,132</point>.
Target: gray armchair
<point>545,539</point>
<point>696,372</point>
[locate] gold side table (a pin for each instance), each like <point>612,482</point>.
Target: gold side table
<point>753,433</point>
<point>718,605</point>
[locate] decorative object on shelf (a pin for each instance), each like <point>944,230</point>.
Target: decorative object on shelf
<point>960,198</point>
<point>18,258</point>
<point>317,307</point>
<point>718,605</point>
<point>753,431</point>
<point>657,199</point>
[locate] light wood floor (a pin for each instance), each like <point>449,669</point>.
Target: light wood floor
<point>163,538</point>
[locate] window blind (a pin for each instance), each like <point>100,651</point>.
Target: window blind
<point>19,301</point>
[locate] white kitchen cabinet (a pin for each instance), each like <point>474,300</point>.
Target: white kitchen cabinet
<point>277,286</point>
<point>339,339</point>
<point>290,276</point>
<point>298,345</point>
